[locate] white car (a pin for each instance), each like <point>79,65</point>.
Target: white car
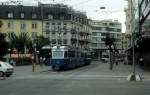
<point>6,69</point>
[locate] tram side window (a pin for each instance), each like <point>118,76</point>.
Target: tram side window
<point>66,54</point>
<point>78,54</point>
<point>71,53</point>
<point>82,54</point>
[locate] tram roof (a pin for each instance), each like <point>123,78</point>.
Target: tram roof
<point>46,47</point>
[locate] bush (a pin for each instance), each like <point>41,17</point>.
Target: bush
<point>23,61</point>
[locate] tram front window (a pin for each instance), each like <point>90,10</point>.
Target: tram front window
<point>58,54</point>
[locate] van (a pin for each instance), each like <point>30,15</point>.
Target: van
<point>6,69</point>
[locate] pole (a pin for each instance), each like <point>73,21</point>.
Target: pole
<point>133,55</point>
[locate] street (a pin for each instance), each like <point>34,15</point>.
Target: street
<point>94,79</point>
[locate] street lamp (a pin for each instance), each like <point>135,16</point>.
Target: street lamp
<point>9,50</point>
<point>134,76</point>
<point>34,58</point>
<point>37,56</point>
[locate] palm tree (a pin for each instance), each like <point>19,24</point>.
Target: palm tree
<point>110,43</point>
<point>3,45</point>
<point>1,23</point>
<point>19,42</point>
<point>41,41</point>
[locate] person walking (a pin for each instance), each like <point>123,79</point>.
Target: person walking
<point>3,76</point>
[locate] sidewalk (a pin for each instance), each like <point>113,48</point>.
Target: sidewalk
<point>120,70</point>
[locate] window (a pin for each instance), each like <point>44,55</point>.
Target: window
<point>62,17</point>
<point>53,33</point>
<point>104,24</point>
<point>10,15</point>
<point>103,34</point>
<point>34,16</point>
<point>47,25</point>
<point>94,45</point>
<point>58,23</point>
<point>103,39</point>
<point>64,27</point>
<point>0,65</point>
<point>57,54</point>
<point>53,23</point>
<point>34,35</point>
<point>10,25</point>
<point>109,29</point>
<point>65,33</point>
<point>34,25</point>
<point>71,53</point>
<point>97,28</point>
<point>65,41</point>
<point>22,25</point>
<point>22,15</point>
<point>53,41</point>
<point>94,34</point>
<point>50,16</point>
<point>111,24</point>
<point>118,30</point>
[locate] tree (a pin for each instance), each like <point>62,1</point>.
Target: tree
<point>1,23</point>
<point>19,42</point>
<point>110,43</point>
<point>41,41</point>
<point>3,45</point>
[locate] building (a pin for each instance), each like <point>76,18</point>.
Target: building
<point>144,31</point>
<point>66,26</point>
<point>124,43</point>
<point>60,23</point>
<point>99,31</point>
<point>18,18</point>
<point>132,28</point>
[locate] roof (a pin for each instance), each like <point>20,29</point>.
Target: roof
<point>17,10</point>
<point>56,11</point>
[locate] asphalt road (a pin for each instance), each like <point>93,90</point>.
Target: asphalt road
<point>94,79</point>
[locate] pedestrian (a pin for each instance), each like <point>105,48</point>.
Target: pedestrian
<point>141,61</point>
<point>116,62</point>
<point>11,62</point>
<point>3,76</point>
<point>41,62</point>
<point>125,60</point>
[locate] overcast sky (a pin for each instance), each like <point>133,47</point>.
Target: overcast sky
<point>114,8</point>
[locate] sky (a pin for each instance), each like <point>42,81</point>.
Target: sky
<point>114,9</point>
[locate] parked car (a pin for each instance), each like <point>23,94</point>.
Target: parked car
<point>6,69</point>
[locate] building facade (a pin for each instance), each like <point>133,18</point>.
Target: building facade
<point>132,28</point>
<point>144,31</point>
<point>20,18</point>
<point>60,23</point>
<point>99,31</point>
<point>66,26</point>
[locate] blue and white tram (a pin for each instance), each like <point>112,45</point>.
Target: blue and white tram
<point>64,57</point>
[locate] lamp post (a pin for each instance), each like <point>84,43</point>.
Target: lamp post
<point>37,56</point>
<point>34,58</point>
<point>134,76</point>
<point>9,50</point>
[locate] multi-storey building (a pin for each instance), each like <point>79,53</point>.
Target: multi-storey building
<point>21,19</point>
<point>124,43</point>
<point>63,25</point>
<point>144,31</point>
<point>99,31</point>
<point>60,23</point>
<point>132,28</point>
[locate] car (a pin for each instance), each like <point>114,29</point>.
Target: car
<point>6,69</point>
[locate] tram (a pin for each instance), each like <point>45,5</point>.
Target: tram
<point>64,57</point>
<point>45,53</point>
